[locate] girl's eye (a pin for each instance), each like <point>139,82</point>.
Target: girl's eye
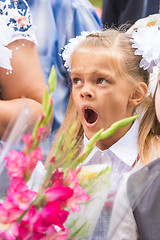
<point>102,81</point>
<point>76,81</point>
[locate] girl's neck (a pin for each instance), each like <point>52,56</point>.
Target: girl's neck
<point>108,142</point>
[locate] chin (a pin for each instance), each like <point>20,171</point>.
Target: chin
<point>90,134</point>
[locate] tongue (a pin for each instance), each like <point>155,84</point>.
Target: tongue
<point>90,115</point>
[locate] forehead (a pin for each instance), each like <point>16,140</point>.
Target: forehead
<point>88,55</point>
<point>98,58</point>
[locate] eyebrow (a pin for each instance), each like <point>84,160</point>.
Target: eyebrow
<point>108,74</point>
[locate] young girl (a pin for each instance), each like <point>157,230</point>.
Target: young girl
<point>107,85</point>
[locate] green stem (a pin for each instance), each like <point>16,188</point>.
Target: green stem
<point>117,125</point>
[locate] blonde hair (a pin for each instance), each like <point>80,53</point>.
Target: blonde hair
<point>116,46</point>
<point>149,132</point>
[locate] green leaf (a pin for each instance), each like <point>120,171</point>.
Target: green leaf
<point>59,145</point>
<point>34,133</point>
<point>48,114</point>
<point>81,230</point>
<point>93,139</point>
<point>87,150</point>
<point>52,80</point>
<point>45,102</point>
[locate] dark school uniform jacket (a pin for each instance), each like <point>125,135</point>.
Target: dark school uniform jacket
<point>118,12</point>
<point>143,189</point>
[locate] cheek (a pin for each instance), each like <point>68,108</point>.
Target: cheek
<point>74,95</point>
<point>75,99</point>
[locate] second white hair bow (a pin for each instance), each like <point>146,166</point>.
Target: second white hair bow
<point>147,42</point>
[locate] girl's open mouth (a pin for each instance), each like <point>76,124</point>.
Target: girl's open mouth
<point>90,115</point>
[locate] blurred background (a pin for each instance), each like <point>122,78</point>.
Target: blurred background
<point>98,6</point>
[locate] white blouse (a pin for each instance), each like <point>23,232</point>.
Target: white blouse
<point>121,156</point>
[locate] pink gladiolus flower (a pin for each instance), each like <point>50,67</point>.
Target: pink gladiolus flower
<point>51,102</point>
<point>58,193</point>
<point>19,194</point>
<point>32,160</point>
<point>37,222</point>
<point>15,163</point>
<point>72,178</point>
<point>8,224</point>
<point>79,195</point>
<point>8,212</point>
<point>35,156</point>
<point>40,132</point>
<point>51,214</point>
<point>42,117</point>
<point>52,160</point>
<point>28,140</point>
<point>57,178</point>
<point>21,165</point>
<point>9,230</point>
<point>26,228</point>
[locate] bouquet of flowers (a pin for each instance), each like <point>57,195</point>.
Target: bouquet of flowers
<point>52,200</point>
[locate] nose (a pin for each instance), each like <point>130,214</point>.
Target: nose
<point>86,92</point>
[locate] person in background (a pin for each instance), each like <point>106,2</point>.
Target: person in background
<point>21,78</point>
<point>58,21</point>
<point>118,12</point>
<point>137,217</point>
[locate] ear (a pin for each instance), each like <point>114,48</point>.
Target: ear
<point>138,94</point>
